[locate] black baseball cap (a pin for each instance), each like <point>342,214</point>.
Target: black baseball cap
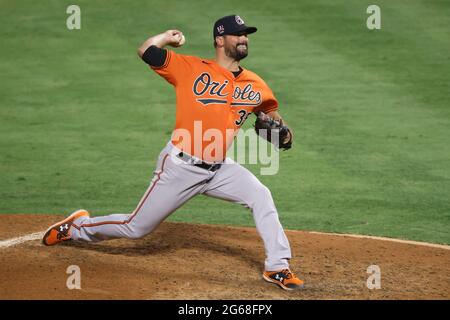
<point>231,25</point>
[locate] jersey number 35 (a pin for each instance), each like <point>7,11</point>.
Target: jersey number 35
<point>243,115</point>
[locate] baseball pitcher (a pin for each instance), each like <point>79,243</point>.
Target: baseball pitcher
<point>213,100</point>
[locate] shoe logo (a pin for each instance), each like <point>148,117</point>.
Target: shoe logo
<point>64,227</point>
<point>279,277</point>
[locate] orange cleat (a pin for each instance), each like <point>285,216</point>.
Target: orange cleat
<point>60,231</point>
<point>284,278</point>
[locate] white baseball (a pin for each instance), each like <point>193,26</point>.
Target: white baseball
<point>182,40</point>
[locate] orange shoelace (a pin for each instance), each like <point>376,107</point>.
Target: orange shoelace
<point>288,273</point>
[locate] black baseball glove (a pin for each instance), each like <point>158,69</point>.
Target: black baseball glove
<point>273,131</point>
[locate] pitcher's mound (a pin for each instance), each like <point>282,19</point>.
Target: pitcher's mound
<point>187,261</point>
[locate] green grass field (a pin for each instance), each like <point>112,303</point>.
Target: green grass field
<point>83,119</point>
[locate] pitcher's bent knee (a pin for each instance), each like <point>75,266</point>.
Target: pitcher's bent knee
<point>261,194</point>
<point>138,232</point>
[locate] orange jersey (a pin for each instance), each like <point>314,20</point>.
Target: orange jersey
<point>212,104</point>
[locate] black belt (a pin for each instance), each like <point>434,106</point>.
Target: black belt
<point>204,165</point>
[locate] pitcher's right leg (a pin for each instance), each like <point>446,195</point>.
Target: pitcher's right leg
<point>173,184</point>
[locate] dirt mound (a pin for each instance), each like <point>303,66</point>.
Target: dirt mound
<point>186,261</point>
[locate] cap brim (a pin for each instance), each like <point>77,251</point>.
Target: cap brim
<point>251,30</point>
<point>246,30</point>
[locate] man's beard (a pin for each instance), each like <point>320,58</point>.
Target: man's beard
<point>235,53</point>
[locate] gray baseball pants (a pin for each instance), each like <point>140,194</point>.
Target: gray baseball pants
<point>176,181</point>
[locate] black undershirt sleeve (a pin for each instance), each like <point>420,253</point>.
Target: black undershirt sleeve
<point>154,56</point>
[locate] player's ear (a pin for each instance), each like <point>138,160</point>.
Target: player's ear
<point>220,41</point>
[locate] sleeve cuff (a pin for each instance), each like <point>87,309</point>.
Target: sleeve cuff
<point>166,61</point>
